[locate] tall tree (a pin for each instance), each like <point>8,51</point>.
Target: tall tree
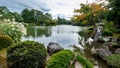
<point>89,13</point>
<point>26,15</point>
<point>18,17</point>
<point>114,12</point>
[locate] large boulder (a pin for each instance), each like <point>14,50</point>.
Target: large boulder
<point>53,48</point>
<point>103,53</point>
<point>117,51</point>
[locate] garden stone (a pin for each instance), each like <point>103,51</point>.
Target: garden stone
<point>53,48</point>
<point>117,51</point>
<point>103,53</point>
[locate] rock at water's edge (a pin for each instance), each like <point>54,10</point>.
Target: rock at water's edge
<point>53,48</point>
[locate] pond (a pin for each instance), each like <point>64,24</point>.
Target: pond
<point>65,35</point>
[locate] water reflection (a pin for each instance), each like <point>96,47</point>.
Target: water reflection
<point>64,35</point>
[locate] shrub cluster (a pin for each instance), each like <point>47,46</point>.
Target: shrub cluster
<point>85,62</point>
<point>5,41</point>
<point>60,59</point>
<point>27,54</point>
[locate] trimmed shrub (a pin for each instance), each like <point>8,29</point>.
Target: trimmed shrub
<point>60,59</point>
<point>84,61</point>
<point>113,60</point>
<point>5,41</point>
<point>27,54</point>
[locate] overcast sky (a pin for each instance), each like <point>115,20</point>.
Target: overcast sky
<point>63,8</point>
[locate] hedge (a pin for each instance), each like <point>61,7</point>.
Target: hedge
<point>5,41</point>
<point>60,59</point>
<point>27,54</point>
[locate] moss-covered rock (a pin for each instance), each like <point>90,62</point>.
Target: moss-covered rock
<point>5,41</point>
<point>27,54</point>
<point>60,59</point>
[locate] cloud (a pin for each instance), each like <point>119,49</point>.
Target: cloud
<point>64,8</point>
<point>19,5</point>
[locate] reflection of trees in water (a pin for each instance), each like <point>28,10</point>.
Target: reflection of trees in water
<point>38,31</point>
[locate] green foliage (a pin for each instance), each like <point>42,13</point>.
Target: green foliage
<point>107,33</point>
<point>82,33</point>
<point>114,13</point>
<point>109,24</point>
<point>87,33</point>
<point>114,60</point>
<point>6,14</point>
<point>84,61</point>
<point>60,59</point>
<point>37,17</point>
<point>28,16</point>
<point>84,22</point>
<point>5,41</point>
<point>109,28</point>
<point>18,17</point>
<point>62,21</point>
<point>89,14</point>
<point>115,30</point>
<point>91,28</point>
<point>27,54</point>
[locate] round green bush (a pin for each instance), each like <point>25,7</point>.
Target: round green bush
<point>5,41</point>
<point>60,59</point>
<point>27,54</point>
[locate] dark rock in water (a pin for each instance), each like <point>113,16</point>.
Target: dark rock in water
<point>103,53</point>
<point>117,51</point>
<point>53,48</point>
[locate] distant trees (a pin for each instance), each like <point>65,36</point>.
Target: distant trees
<point>5,13</point>
<point>62,21</point>
<point>28,16</point>
<point>18,17</point>
<point>32,16</point>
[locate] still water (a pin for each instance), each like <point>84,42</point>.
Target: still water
<point>65,35</point>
